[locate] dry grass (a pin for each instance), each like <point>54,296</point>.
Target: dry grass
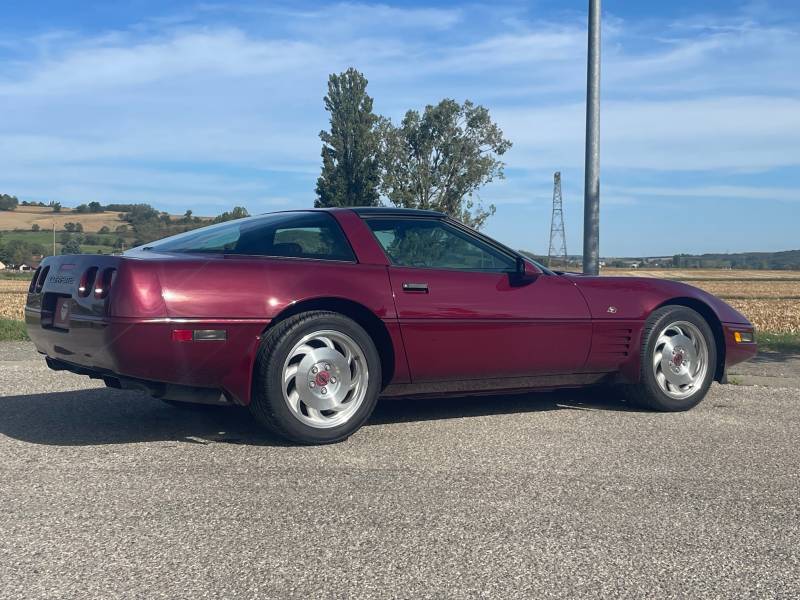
<point>707,274</point>
<point>777,316</point>
<point>14,285</point>
<point>12,305</point>
<point>751,290</point>
<point>12,298</point>
<point>25,216</point>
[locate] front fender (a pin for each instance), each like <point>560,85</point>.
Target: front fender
<point>634,298</point>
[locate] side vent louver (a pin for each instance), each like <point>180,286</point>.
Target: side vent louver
<point>613,342</point>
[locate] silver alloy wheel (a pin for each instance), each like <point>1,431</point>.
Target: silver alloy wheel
<point>325,379</point>
<point>680,359</point>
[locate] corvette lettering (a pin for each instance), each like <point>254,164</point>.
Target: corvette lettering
<point>61,279</point>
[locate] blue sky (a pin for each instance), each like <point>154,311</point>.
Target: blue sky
<point>210,105</point>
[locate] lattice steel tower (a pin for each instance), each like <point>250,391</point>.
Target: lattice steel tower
<point>558,239</point>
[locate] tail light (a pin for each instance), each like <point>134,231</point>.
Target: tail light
<point>41,279</point>
<point>87,282</point>
<point>102,285</point>
<point>32,286</point>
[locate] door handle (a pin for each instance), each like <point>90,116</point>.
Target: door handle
<point>418,288</point>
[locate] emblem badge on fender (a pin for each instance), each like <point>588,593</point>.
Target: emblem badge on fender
<point>612,309</point>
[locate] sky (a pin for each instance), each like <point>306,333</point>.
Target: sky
<point>205,106</point>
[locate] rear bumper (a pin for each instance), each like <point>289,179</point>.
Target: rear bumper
<point>142,352</point>
<point>166,391</point>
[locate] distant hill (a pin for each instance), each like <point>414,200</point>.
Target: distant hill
<point>784,260</point>
<point>24,217</point>
<point>26,230</point>
<point>787,259</point>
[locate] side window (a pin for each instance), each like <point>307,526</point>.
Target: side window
<point>291,235</point>
<point>435,244</point>
<point>308,241</point>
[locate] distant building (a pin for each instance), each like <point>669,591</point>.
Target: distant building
<point>28,266</point>
<point>2,266</point>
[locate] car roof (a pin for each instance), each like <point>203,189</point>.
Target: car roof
<point>386,211</point>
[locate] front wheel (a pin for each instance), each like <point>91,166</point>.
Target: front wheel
<point>678,360</point>
<point>317,378</point>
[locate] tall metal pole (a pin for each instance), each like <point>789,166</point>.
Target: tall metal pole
<point>591,192</point>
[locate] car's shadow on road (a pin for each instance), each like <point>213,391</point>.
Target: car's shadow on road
<point>105,416</point>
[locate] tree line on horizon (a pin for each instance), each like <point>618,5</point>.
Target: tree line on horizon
<point>437,159</point>
<point>142,224</point>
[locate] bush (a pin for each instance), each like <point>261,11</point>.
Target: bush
<point>71,247</point>
<point>8,202</point>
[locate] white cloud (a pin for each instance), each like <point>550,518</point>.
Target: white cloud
<point>207,90</point>
<point>719,192</point>
<point>670,135</point>
<point>210,54</point>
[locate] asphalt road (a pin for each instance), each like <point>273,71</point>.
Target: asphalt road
<point>112,494</point>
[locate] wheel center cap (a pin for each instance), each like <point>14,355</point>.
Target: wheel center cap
<point>677,359</point>
<point>323,378</point>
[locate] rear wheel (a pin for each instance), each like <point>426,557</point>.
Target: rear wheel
<point>678,360</point>
<point>317,378</point>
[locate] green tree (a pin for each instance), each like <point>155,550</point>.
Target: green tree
<point>71,247</point>
<point>95,207</point>
<point>104,229</point>
<point>350,169</point>
<point>35,227</point>
<point>238,212</point>
<point>439,159</point>
<point>140,213</point>
<point>17,252</point>
<point>37,250</point>
<point>8,202</point>
<point>56,206</point>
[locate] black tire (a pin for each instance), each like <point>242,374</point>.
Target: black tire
<point>268,405</point>
<point>648,393</point>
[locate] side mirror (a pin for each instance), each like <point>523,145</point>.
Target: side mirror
<point>525,272</point>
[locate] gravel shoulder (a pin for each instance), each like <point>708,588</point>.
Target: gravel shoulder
<point>552,495</point>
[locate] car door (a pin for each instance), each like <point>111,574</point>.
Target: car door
<point>463,318</point>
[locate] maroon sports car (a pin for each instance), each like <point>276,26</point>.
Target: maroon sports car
<point>308,316</point>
